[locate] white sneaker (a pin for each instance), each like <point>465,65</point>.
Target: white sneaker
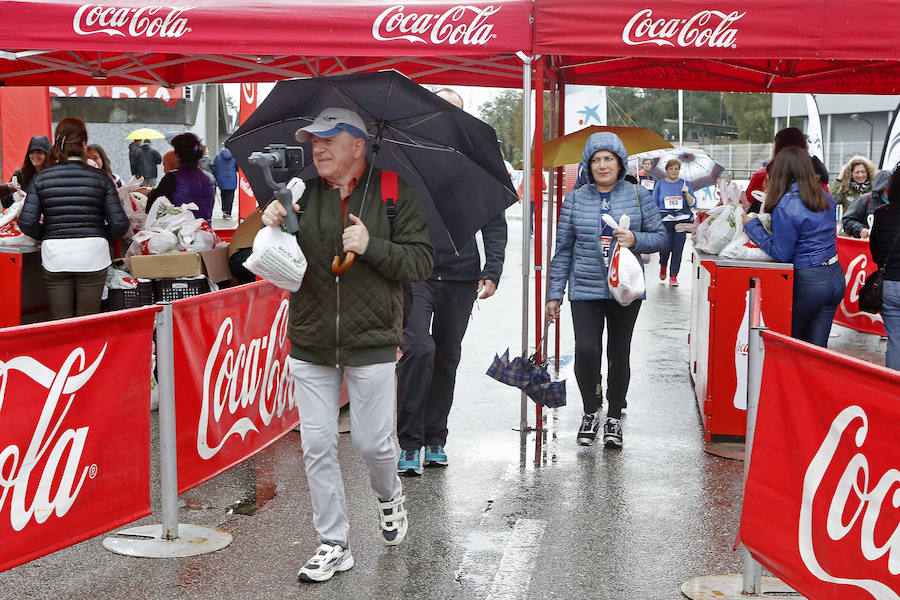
<point>612,433</point>
<point>393,521</point>
<point>587,433</point>
<point>328,559</point>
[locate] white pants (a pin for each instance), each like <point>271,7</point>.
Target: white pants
<point>372,391</point>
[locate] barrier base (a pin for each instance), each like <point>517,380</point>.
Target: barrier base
<point>730,450</point>
<point>147,542</point>
<point>730,587</point>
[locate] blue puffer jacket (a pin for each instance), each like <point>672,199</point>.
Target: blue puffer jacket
<point>225,169</point>
<point>578,260</point>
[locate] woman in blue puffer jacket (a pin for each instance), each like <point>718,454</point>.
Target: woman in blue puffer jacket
<point>583,247</point>
<point>803,233</point>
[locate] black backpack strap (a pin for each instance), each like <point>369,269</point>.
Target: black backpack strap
<point>304,201</point>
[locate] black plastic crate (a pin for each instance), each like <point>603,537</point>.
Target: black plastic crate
<point>169,290</point>
<point>142,295</point>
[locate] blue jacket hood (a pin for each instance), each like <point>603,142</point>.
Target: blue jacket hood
<point>226,154</point>
<point>602,140</point>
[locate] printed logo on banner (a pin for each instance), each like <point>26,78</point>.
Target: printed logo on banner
<point>235,379</point>
<point>710,28</point>
<point>855,277</point>
<point>248,90</point>
<point>49,471</point>
<point>146,21</point>
<point>856,505</point>
<point>458,25</point>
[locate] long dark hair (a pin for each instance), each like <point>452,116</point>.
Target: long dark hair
<point>99,150</point>
<point>69,139</point>
<point>789,137</point>
<point>27,171</point>
<point>793,165</point>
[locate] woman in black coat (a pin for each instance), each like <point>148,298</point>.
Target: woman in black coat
<point>75,211</point>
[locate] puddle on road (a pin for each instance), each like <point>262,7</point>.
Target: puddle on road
<point>255,500</point>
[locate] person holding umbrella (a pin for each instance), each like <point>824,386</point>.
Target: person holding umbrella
<point>581,261</point>
<point>674,197</point>
<point>349,326</point>
<point>146,159</point>
<point>436,314</point>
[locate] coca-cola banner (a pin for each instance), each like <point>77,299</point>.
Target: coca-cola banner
<point>233,394</point>
<point>857,264</point>
<point>820,504</point>
<point>249,102</point>
<point>277,27</point>
<point>74,430</point>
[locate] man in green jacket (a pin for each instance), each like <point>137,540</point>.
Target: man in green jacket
<point>350,325</point>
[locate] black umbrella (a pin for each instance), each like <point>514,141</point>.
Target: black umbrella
<point>449,157</point>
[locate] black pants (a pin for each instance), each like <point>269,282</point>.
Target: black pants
<point>436,314</point>
<point>589,318</point>
<point>227,201</point>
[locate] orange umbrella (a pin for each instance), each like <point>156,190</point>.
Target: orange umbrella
<point>567,150</point>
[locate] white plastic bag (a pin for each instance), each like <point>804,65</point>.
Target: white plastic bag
<point>719,228</point>
<point>277,258</point>
<point>741,247</point>
<point>625,274</point>
<point>10,234</point>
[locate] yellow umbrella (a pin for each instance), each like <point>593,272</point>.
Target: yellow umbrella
<point>567,150</point>
<point>145,133</point>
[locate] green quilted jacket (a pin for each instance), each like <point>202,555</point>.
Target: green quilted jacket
<point>356,319</point>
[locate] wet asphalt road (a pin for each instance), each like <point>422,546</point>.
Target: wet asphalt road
<point>514,516</point>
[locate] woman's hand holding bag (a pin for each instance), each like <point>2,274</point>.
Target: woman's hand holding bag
<point>625,274</point>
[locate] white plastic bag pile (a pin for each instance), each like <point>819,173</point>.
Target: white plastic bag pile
<point>135,205</point>
<point>625,274</point>
<point>719,228</point>
<point>10,234</point>
<point>171,228</point>
<point>742,247</point>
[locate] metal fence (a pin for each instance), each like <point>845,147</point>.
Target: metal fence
<point>742,160</point>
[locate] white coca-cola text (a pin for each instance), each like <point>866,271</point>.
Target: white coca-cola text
<point>51,445</point>
<point>458,25</point>
<point>146,21</point>
<point>236,379</point>
<point>854,278</point>
<point>868,503</point>
<point>710,28</point>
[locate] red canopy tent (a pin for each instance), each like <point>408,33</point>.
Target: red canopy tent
<point>761,46</point>
<point>126,42</point>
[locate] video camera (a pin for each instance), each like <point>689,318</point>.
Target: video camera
<point>282,158</point>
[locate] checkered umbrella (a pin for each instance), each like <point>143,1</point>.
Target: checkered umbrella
<point>529,376</point>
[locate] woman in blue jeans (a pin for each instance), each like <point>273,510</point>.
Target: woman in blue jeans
<point>884,243</point>
<point>803,233</point>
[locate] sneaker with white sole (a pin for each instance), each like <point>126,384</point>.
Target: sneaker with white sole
<point>612,433</point>
<point>393,519</point>
<point>328,560</point>
<point>409,463</point>
<point>587,434</point>
<point>435,456</point>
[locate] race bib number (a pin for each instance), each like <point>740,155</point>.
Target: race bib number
<point>649,184</point>
<point>673,202</point>
<point>605,243</point>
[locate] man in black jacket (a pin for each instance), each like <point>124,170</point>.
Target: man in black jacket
<point>436,313</point>
<point>146,158</point>
<point>856,219</point>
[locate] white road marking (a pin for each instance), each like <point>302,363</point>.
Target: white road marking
<point>514,574</point>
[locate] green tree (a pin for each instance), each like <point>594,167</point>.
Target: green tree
<point>753,115</point>
<point>504,114</point>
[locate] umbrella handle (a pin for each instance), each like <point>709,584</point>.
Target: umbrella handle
<point>338,267</point>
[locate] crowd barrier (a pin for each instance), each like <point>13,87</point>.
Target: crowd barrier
<point>821,487</point>
<point>76,464</point>
<point>857,263</point>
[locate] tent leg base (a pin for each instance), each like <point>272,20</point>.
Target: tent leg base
<point>147,541</point>
<point>730,587</point>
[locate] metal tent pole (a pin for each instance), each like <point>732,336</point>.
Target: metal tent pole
<point>526,199</point>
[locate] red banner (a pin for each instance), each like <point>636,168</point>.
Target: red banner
<point>857,264</point>
<point>249,101</point>
<point>74,430</point>
<point>821,501</point>
<point>169,96</point>
<point>233,394</point>
<point>24,112</point>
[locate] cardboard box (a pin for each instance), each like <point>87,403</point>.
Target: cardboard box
<point>212,263</point>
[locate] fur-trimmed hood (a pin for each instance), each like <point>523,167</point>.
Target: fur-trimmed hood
<point>844,176</point>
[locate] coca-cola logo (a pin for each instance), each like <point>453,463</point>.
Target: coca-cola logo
<point>709,28</point>
<point>614,269</point>
<point>856,507</point>
<point>236,379</point>
<point>462,24</point>
<point>854,278</point>
<point>146,21</point>
<point>248,93</point>
<point>46,478</point>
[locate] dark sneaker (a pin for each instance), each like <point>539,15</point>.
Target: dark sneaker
<point>409,463</point>
<point>587,434</point>
<point>435,456</point>
<point>393,521</point>
<point>612,433</point>
<point>328,560</point>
